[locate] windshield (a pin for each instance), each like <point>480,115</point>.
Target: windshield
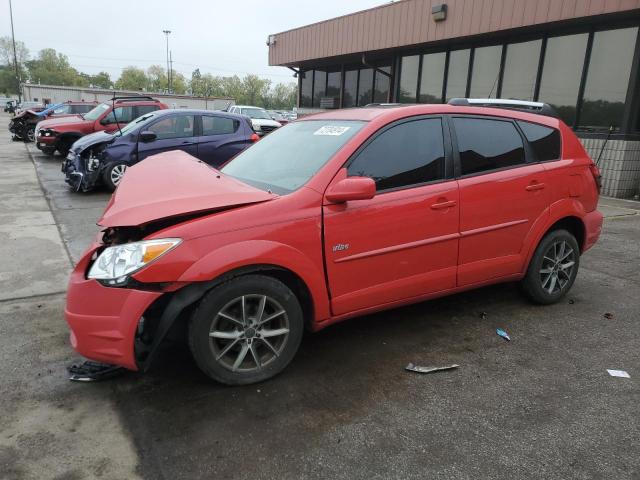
<point>96,112</point>
<point>286,159</point>
<point>255,113</point>
<point>138,122</point>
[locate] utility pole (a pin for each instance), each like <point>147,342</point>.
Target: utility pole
<point>167,32</point>
<point>15,55</point>
<point>170,71</point>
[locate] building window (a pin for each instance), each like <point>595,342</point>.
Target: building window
<point>319,87</point>
<point>485,72</point>
<point>350,88</point>
<point>520,70</point>
<point>365,86</point>
<point>332,99</point>
<point>409,79</point>
<point>458,72</point>
<point>417,150</point>
<point>608,78</point>
<point>381,87</point>
<point>431,78</point>
<point>563,64</point>
<point>306,89</point>
<point>486,145</point>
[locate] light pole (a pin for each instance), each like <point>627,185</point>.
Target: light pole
<point>15,55</point>
<point>167,32</point>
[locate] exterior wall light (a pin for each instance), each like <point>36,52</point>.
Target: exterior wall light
<point>271,40</point>
<point>439,12</point>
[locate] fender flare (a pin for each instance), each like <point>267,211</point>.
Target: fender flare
<point>564,208</point>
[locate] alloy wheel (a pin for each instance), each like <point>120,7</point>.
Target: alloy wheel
<point>249,333</point>
<point>557,267</point>
<point>117,173</point>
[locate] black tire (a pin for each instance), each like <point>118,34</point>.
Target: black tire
<point>109,176</point>
<point>29,134</point>
<point>64,145</point>
<point>539,284</point>
<point>265,355</point>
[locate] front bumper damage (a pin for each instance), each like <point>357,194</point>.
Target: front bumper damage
<point>78,174</point>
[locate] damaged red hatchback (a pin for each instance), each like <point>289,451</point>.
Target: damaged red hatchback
<point>337,215</point>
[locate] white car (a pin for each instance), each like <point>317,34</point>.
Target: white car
<point>260,120</point>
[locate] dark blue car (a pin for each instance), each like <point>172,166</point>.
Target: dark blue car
<point>102,158</point>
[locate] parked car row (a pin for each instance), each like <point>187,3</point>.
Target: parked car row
<point>23,124</point>
<point>337,215</point>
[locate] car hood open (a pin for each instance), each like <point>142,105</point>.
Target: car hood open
<point>174,184</point>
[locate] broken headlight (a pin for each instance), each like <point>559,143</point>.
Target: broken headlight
<point>115,264</point>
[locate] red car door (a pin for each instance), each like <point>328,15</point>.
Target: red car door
<point>402,243</point>
<point>501,197</point>
<point>111,122</point>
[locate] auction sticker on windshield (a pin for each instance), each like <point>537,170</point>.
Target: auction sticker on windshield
<point>331,130</point>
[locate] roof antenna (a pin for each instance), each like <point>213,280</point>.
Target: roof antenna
<point>113,109</point>
<point>494,84</point>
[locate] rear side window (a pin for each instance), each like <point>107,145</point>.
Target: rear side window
<point>122,115</point>
<point>545,141</point>
<point>81,108</point>
<point>406,154</point>
<point>486,145</point>
<point>144,109</point>
<point>218,125</point>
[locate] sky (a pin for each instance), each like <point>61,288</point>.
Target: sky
<point>221,37</point>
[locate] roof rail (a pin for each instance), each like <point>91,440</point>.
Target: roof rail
<point>522,105</point>
<point>133,98</point>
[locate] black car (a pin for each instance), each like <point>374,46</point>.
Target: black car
<point>102,158</point>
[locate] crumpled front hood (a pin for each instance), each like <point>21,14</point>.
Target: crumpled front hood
<point>174,184</point>
<point>92,139</point>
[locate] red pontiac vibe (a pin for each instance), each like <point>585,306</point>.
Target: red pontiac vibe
<point>337,215</point>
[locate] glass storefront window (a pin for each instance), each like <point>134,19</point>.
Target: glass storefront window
<point>458,72</point>
<point>350,88</point>
<point>306,89</point>
<point>409,79</point>
<point>608,78</point>
<point>561,73</point>
<point>381,87</point>
<point>485,73</point>
<point>332,99</point>
<point>365,86</point>
<point>319,87</point>
<point>432,77</point>
<point>520,70</point>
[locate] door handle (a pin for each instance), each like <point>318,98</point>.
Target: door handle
<point>443,205</point>
<point>534,186</point>
<point>186,143</point>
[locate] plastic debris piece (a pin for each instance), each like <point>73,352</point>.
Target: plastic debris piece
<point>572,301</point>
<point>503,334</point>
<point>93,371</point>
<point>483,315</point>
<point>420,369</point>
<point>618,373</point>
<point>608,315</point>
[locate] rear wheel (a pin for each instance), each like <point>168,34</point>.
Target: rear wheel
<point>246,330</point>
<point>113,175</point>
<point>553,268</point>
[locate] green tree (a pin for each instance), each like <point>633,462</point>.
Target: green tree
<point>8,82</point>
<point>157,77</point>
<point>53,68</point>
<point>6,52</point>
<point>178,83</point>
<point>256,90</point>
<point>101,80</point>
<point>133,78</point>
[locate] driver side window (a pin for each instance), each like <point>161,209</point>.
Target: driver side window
<point>180,126</point>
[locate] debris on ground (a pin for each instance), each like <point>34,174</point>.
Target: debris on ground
<point>483,315</point>
<point>503,334</point>
<point>618,373</point>
<point>608,315</point>
<point>420,369</point>
<point>572,301</point>
<point>93,371</point>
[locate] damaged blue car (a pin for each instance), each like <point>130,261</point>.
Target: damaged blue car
<point>102,158</point>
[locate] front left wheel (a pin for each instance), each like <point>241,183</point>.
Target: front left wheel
<point>113,175</point>
<point>246,330</point>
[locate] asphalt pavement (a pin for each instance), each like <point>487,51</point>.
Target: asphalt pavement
<point>541,406</point>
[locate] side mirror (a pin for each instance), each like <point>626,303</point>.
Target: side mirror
<point>147,136</point>
<point>352,188</point>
